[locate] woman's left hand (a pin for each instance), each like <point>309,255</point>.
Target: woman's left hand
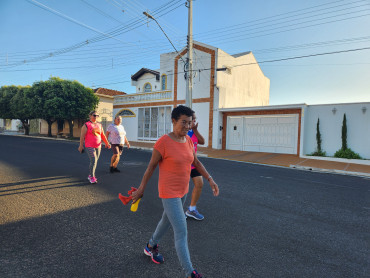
<point>108,146</point>
<point>214,187</point>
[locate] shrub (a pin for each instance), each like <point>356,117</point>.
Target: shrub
<point>318,153</point>
<point>347,153</point>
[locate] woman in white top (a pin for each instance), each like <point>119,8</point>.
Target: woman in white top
<point>117,137</point>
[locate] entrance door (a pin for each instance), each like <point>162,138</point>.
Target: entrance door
<point>234,133</point>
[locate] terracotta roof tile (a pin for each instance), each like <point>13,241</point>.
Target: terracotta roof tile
<point>108,92</point>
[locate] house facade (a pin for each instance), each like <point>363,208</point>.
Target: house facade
<point>291,129</point>
<point>217,84</point>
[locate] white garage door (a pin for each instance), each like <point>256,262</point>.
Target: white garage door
<point>270,133</point>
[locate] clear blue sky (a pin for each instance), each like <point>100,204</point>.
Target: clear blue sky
<point>272,30</point>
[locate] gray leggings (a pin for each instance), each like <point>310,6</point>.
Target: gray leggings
<point>93,154</point>
<point>173,215</point>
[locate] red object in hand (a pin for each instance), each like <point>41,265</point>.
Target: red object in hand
<point>125,200</point>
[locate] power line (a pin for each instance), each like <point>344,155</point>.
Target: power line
<point>40,5</point>
<point>282,59</point>
<point>101,12</point>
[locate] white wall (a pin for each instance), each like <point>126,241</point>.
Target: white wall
<point>202,112</point>
<point>145,78</point>
<point>130,123</point>
<point>358,128</point>
<point>167,67</point>
<point>245,86</point>
<point>201,82</point>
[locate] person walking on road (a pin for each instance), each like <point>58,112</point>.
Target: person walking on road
<point>197,178</point>
<point>174,153</point>
<point>92,134</point>
<point>117,137</point>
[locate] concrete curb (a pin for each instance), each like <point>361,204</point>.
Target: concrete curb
<point>331,171</point>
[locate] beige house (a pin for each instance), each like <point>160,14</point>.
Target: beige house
<point>105,110</point>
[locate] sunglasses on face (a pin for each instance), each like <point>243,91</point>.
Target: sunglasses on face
<point>95,115</point>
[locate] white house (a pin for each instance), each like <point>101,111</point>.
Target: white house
<point>233,108</point>
<point>147,113</point>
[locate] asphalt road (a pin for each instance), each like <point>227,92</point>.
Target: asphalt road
<point>267,221</point>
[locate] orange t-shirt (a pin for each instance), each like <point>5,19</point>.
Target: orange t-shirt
<point>174,167</point>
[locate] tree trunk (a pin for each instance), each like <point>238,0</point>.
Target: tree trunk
<point>26,126</point>
<point>70,122</point>
<point>50,122</point>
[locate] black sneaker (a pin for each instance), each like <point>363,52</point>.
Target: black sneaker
<point>111,169</point>
<point>153,252</point>
<point>195,274</point>
<point>116,170</point>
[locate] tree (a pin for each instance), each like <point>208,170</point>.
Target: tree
<point>45,101</point>
<point>318,136</point>
<point>346,152</point>
<point>58,99</point>
<point>6,95</point>
<point>21,109</point>
<point>318,151</point>
<point>344,133</point>
<point>79,101</point>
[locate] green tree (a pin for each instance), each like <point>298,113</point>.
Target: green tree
<point>79,101</point>
<point>318,151</point>
<point>318,136</point>
<point>6,95</point>
<point>344,133</point>
<point>346,152</point>
<point>58,99</point>
<point>21,109</point>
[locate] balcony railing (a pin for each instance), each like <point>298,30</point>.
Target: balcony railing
<point>143,97</point>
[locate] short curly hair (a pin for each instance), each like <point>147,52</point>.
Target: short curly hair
<point>181,110</point>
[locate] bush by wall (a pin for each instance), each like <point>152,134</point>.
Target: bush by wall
<point>346,152</point>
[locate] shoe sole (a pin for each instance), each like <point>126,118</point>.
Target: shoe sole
<point>192,216</point>
<point>150,255</point>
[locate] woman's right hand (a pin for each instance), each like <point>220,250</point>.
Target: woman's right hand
<point>136,195</point>
<point>80,148</point>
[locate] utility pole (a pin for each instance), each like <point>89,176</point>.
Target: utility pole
<point>189,84</point>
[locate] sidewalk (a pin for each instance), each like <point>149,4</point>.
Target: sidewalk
<point>331,165</point>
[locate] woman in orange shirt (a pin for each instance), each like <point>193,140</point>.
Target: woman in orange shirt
<point>174,153</point>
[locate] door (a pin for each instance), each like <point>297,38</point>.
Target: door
<point>234,133</point>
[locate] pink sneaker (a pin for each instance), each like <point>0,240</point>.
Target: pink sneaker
<point>95,179</point>
<point>92,179</point>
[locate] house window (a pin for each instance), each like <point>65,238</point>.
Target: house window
<point>104,123</point>
<point>147,88</point>
<point>154,122</point>
<point>164,82</point>
<point>126,113</point>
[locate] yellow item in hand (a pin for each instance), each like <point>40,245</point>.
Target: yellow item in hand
<point>135,205</point>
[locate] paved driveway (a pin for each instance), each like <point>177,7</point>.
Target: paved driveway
<point>267,221</point>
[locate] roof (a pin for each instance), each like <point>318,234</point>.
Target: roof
<point>240,54</point>
<point>141,72</point>
<point>108,92</point>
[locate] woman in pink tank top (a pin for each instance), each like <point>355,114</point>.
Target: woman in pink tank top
<point>92,134</point>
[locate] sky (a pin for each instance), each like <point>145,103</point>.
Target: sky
<point>313,52</point>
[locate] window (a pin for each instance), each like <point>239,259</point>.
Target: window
<point>104,123</point>
<point>154,122</point>
<point>164,82</point>
<point>147,88</point>
<point>126,113</point>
